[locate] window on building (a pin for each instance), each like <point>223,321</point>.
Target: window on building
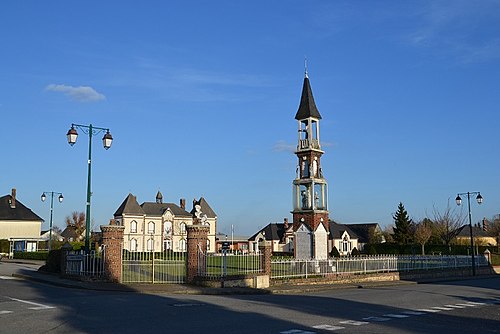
<point>208,244</point>
<point>133,227</point>
<point>133,245</point>
<point>182,245</point>
<point>150,245</point>
<point>183,228</point>
<point>151,228</point>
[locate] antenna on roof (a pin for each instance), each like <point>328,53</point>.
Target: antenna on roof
<point>306,75</point>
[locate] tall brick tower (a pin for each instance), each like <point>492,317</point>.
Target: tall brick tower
<point>310,189</point>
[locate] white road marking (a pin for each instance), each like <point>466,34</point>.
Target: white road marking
<point>397,316</point>
<point>354,323</point>
<point>38,306</point>
<point>5,312</point>
<point>376,319</point>
<point>7,277</point>
<point>442,308</point>
<point>328,327</point>
<point>297,331</point>
<point>455,306</point>
<point>467,304</point>
<point>413,313</point>
<point>428,310</point>
<point>476,303</point>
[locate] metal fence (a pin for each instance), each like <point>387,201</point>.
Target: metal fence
<point>153,267</point>
<point>218,265</point>
<point>79,263</point>
<point>288,268</point>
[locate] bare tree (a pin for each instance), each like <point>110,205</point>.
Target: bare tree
<point>493,230</point>
<point>423,232</point>
<point>77,221</point>
<point>447,223</point>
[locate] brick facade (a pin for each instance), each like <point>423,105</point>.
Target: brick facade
<point>112,240</point>
<point>196,239</point>
<point>311,219</point>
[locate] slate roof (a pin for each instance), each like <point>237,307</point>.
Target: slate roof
<point>476,232</point>
<point>273,231</point>
<point>336,230</point>
<point>158,209</point>
<point>129,206</point>
<point>363,230</point>
<point>307,107</point>
<point>70,232</point>
<point>205,209</point>
<point>20,212</point>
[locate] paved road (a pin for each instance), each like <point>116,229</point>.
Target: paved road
<point>468,306</point>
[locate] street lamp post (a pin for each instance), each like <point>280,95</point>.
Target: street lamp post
<point>106,141</point>
<point>43,198</point>
<point>479,200</point>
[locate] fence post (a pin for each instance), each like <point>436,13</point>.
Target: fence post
<point>196,238</point>
<point>65,249</point>
<point>265,250</point>
<point>112,240</point>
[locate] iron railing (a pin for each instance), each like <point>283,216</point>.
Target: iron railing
<point>79,263</point>
<point>153,267</point>
<point>288,268</point>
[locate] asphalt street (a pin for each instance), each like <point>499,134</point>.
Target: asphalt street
<point>467,306</point>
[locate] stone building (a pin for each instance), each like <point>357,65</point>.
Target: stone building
<point>157,226</point>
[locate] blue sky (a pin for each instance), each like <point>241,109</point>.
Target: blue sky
<point>200,97</point>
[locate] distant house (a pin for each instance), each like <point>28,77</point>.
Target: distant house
<point>70,234</point>
<point>45,236</point>
<point>158,226</point>
<point>280,235</point>
<point>367,233</point>
<point>19,224</point>
<point>481,238</point>
<point>343,238</point>
<point>237,243</point>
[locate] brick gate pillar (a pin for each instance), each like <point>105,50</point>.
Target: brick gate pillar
<point>265,250</point>
<point>112,240</point>
<point>196,239</point>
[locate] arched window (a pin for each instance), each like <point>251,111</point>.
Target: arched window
<point>133,227</point>
<point>208,244</point>
<point>151,228</point>
<point>133,245</point>
<point>183,228</point>
<point>182,245</point>
<point>150,245</point>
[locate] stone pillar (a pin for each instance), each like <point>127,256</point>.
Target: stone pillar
<point>265,250</point>
<point>487,255</point>
<point>65,249</point>
<point>196,239</point>
<point>112,241</point>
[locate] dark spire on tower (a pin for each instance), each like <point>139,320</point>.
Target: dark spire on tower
<point>307,107</point>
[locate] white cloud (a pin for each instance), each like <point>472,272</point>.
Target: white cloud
<point>80,94</point>
<point>282,146</point>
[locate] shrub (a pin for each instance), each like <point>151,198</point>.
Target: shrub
<point>40,255</point>
<point>4,246</point>
<point>335,252</point>
<point>53,263</point>
<point>355,252</point>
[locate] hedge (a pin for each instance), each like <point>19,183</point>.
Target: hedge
<point>392,248</point>
<point>40,255</point>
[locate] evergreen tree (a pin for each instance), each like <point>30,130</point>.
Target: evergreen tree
<point>403,226</point>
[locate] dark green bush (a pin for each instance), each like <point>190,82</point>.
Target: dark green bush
<point>4,246</point>
<point>40,255</point>
<point>53,263</point>
<point>334,252</point>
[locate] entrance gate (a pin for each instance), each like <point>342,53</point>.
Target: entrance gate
<point>154,267</point>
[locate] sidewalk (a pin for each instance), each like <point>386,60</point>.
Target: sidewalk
<point>56,280</point>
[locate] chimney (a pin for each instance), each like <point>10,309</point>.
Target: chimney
<point>13,199</point>
<point>182,202</point>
